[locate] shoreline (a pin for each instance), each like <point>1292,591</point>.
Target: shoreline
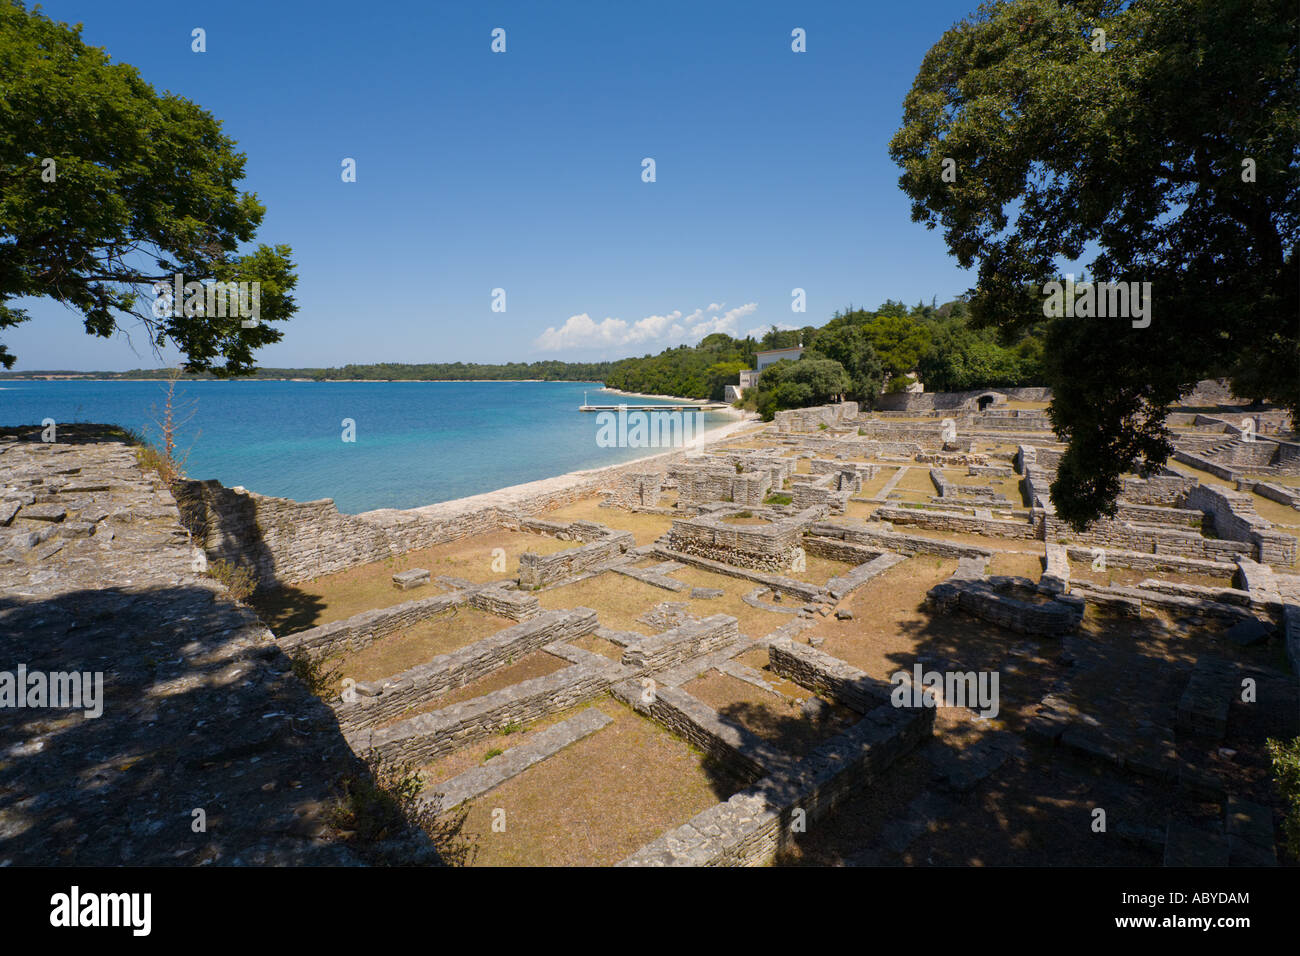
<point>512,495</point>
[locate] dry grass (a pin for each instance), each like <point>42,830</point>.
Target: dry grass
<point>449,631</point>
<point>644,527</point>
<point>334,597</point>
<point>596,801</point>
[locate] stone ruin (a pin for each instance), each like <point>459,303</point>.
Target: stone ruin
<point>1192,554</point>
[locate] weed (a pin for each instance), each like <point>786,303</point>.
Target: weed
<point>319,678</point>
<point>239,581</point>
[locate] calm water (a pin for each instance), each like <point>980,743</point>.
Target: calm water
<point>416,442</point>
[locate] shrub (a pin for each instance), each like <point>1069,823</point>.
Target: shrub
<point>778,499</point>
<point>1286,771</point>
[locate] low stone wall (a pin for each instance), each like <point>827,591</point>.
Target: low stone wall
<point>1159,515</point>
<point>792,586</point>
<point>1204,464</point>
<point>1235,518</point>
<point>826,675</point>
<point>837,549</point>
<point>907,544</point>
<point>744,753</point>
<point>281,540</point>
<point>768,547</point>
<point>504,602</point>
<point>377,701</point>
<point>1146,561</point>
<point>426,737</point>
<point>1163,490</point>
<point>674,646</point>
<point>810,419</point>
<point>829,491</point>
<point>1054,618</point>
<point>750,828</point>
<point>1121,536</point>
<point>842,585</point>
<point>505,766</point>
<point>955,521</point>
<point>539,570</point>
<point>361,630</point>
<point>1279,493</point>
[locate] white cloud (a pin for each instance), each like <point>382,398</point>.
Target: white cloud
<point>583,332</point>
<point>762,330</point>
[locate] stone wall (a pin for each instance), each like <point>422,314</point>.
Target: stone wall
<point>377,701</point>
<point>797,420</point>
<point>767,547</point>
<point>826,675</point>
<point>689,640</point>
<point>426,737</point>
<point>639,490</point>
<point>1164,490</point>
<point>1107,533</point>
<point>750,828</point>
<point>284,540</point>
<point>738,749</point>
<point>881,537</point>
<point>540,570</point>
<point>358,632</point>
<point>1145,561</point>
<point>1053,618</point>
<point>955,521</point>
<point>1234,517</point>
<point>932,401</point>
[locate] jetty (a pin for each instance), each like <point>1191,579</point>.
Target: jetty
<point>684,407</point>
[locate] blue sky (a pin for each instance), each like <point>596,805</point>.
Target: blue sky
<point>523,170</point>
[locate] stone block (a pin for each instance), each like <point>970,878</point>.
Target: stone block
<point>414,578</point>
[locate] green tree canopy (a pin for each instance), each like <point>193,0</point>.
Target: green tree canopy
<point>850,345</point>
<point>1167,145</point>
<point>141,186</point>
<point>788,384</point>
<point>899,340</point>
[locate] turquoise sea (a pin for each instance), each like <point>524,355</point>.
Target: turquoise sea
<point>416,442</point>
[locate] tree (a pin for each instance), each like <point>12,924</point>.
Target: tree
<point>721,374</point>
<point>900,341</point>
<point>788,384</point>
<point>850,345</point>
<point>1168,144</point>
<point>107,187</point>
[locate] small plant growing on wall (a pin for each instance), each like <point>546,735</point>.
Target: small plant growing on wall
<point>239,581</point>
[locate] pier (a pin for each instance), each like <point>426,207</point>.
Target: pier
<point>709,407</point>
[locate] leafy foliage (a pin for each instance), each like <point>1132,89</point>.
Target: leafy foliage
<point>141,187</point>
<point>1132,147</point>
<point>787,384</point>
<point>1286,771</point>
